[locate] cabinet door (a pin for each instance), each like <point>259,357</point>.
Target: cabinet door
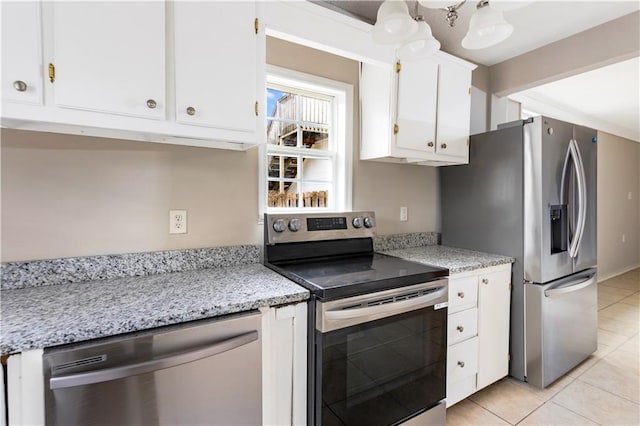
<point>454,109</point>
<point>216,64</point>
<point>416,105</point>
<point>21,52</point>
<point>494,302</point>
<point>110,57</point>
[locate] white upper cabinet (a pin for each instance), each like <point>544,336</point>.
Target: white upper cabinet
<point>21,52</point>
<point>430,108</point>
<point>110,57</point>
<point>216,46</point>
<point>416,105</point>
<point>454,109</point>
<point>189,73</point>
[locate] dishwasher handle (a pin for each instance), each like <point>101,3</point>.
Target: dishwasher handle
<point>173,360</point>
<point>570,287</point>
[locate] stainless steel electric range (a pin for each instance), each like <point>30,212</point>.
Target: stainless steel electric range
<point>377,324</point>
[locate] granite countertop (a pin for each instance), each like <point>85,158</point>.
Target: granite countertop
<point>455,259</point>
<point>39,317</point>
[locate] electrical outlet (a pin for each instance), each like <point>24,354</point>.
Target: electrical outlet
<point>629,195</point>
<point>177,221</point>
<point>403,214</point>
<point>624,238</point>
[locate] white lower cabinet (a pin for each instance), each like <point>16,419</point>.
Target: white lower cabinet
<point>477,330</point>
<point>284,365</point>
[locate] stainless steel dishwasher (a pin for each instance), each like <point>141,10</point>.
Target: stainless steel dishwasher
<point>205,372</point>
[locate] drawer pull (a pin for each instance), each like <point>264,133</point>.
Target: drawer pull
<point>461,294</point>
<point>460,328</point>
<point>461,364</point>
<point>485,281</point>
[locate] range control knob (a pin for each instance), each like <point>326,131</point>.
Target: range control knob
<point>294,225</point>
<point>369,222</point>
<point>279,225</point>
<point>357,222</point>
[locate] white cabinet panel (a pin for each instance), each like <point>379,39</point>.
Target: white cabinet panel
<point>110,57</point>
<point>463,293</point>
<point>462,325</point>
<point>21,52</point>
<point>216,64</point>
<point>494,302</point>
<point>417,95</point>
<point>462,360</point>
<point>454,106</point>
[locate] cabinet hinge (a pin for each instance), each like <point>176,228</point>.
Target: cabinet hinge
<point>52,72</point>
<point>256,25</point>
<point>508,357</point>
<point>398,66</point>
<point>396,129</point>
<point>467,141</point>
<point>256,108</point>
<point>510,286</point>
<point>469,90</point>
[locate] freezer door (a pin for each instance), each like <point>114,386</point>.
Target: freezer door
<point>547,213</point>
<point>586,249</point>
<point>561,326</point>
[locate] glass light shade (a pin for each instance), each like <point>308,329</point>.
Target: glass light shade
<point>393,24</point>
<point>438,4</point>
<point>507,5</point>
<point>421,45</point>
<point>486,28</point>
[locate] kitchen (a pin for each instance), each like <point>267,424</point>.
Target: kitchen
<point>69,196</point>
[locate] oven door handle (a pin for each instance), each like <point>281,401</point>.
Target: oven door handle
<point>387,308</point>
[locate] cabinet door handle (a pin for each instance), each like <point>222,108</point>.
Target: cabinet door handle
<point>191,111</point>
<point>443,145</point>
<point>429,144</point>
<point>485,281</point>
<point>460,328</point>
<point>20,86</point>
<point>461,364</point>
<point>151,103</point>
<point>461,295</point>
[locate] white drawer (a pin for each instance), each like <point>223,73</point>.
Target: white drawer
<point>462,325</point>
<point>462,360</point>
<point>463,293</point>
<point>461,389</point>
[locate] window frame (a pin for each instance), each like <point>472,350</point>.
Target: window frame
<point>341,136</point>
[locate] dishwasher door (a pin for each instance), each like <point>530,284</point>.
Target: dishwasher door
<point>562,325</point>
<point>201,373</point>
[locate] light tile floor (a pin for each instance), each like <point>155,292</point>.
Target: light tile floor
<point>603,390</point>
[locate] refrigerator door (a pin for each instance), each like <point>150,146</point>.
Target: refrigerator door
<point>586,250</point>
<point>561,326</point>
<point>548,169</point>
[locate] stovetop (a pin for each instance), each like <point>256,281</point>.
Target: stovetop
<point>331,254</point>
<point>335,278</point>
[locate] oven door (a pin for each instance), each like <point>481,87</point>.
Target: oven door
<point>388,364</point>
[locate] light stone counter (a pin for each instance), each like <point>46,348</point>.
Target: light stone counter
<point>38,317</point>
<point>454,259</point>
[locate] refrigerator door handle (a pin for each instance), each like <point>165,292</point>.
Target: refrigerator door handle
<point>570,287</point>
<point>572,156</point>
<point>582,196</point>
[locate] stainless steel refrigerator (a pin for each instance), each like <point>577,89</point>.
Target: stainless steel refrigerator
<point>529,191</point>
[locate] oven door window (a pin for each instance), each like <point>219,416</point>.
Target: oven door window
<point>384,371</point>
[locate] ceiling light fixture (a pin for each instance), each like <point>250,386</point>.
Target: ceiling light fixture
<point>395,25</point>
<point>487,27</point>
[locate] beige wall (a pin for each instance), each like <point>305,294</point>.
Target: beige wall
<point>618,175</point>
<point>73,196</point>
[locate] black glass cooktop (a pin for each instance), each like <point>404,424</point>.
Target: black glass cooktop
<point>350,276</point>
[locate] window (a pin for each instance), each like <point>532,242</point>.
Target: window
<point>306,161</point>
